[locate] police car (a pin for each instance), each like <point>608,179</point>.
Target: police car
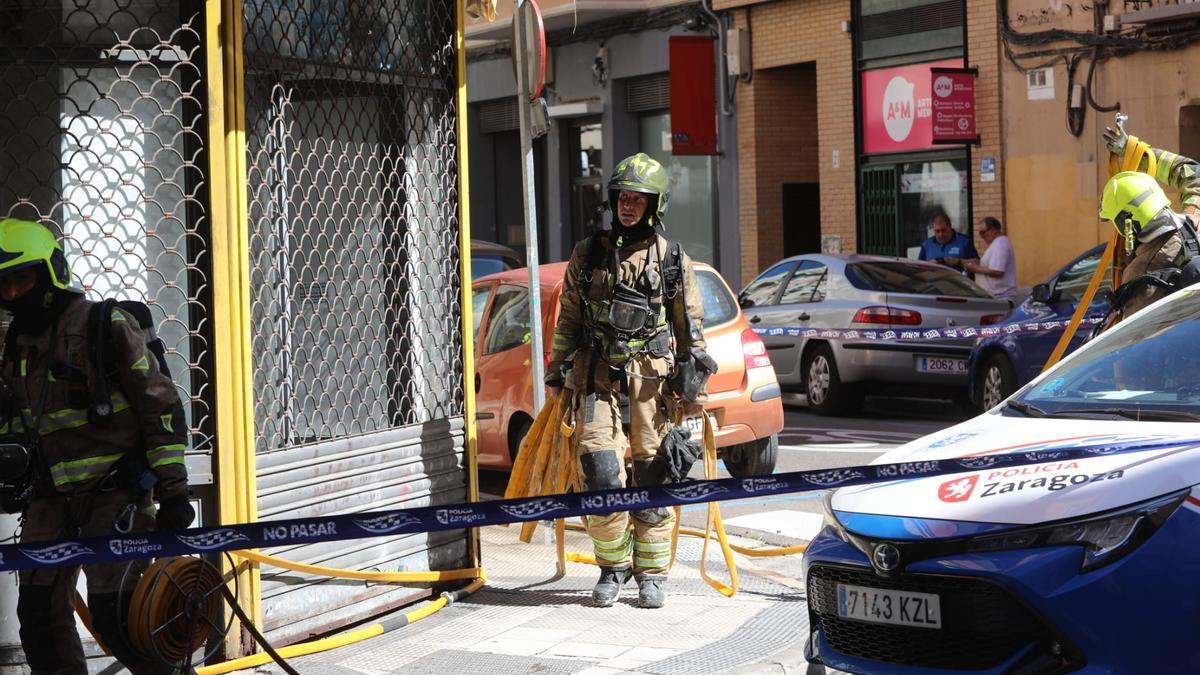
<point>1081,565</point>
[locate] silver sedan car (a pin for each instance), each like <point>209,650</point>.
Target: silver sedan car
<point>865,292</point>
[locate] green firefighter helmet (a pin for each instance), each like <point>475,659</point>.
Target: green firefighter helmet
<point>24,243</point>
<point>642,173</point>
<point>1131,200</point>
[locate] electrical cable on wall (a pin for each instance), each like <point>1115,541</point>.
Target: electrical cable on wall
<point>1094,44</point>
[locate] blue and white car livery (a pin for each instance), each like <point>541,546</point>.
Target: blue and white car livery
<point>1081,565</point>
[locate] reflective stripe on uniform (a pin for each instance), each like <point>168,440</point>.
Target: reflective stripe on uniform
<point>84,469</point>
<point>561,342</point>
<point>1165,160</point>
<point>166,454</point>
<point>651,553</point>
<point>613,550</point>
<point>71,418</point>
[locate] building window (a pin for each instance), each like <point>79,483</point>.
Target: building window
<point>691,206</point>
<point>929,188</point>
<point>895,32</point>
<point>1040,84</point>
<point>587,178</point>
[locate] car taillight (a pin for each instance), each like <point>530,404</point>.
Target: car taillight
<point>887,316</point>
<point>754,350</point>
<point>990,319</point>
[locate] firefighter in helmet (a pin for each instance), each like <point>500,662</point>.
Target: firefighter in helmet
<point>92,469</point>
<point>1161,247</point>
<point>630,325</point>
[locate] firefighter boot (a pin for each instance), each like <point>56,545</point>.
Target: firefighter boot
<point>609,586</point>
<point>650,591</point>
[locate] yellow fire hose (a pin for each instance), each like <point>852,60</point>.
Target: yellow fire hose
<point>545,465</point>
<point>344,639</point>
<point>1135,152</point>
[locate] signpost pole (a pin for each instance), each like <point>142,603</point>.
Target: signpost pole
<point>521,54</point>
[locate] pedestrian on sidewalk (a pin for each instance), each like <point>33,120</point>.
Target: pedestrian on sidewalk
<point>996,271</point>
<point>946,246</point>
<point>630,321</point>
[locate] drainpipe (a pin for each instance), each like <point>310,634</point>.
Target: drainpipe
<point>723,65</point>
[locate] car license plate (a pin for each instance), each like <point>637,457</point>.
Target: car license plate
<point>695,424</point>
<point>877,605</point>
<point>941,364</point>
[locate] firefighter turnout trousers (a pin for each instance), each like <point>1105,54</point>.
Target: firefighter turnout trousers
<point>46,596</point>
<point>641,537</point>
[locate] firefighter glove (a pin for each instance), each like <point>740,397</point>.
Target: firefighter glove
<point>1115,139</point>
<point>678,452</point>
<point>175,513</point>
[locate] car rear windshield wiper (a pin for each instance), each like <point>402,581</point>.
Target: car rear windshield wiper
<point>1147,414</point>
<point>1027,409</point>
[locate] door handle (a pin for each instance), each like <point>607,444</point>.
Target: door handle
<point>478,381</point>
<point>755,319</point>
<point>804,316</point>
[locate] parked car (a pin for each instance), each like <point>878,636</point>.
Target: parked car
<point>1066,566</point>
<point>1001,364</point>
<point>488,258</point>
<point>744,396</point>
<point>824,291</point>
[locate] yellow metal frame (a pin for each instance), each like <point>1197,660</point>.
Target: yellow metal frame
<point>464,244</point>
<point>236,479</point>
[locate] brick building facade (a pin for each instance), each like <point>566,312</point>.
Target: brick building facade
<point>808,178</point>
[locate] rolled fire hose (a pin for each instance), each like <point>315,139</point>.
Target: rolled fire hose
<point>162,615</point>
<point>1135,151</point>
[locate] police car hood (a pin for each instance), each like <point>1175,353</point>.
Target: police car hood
<point>945,505</point>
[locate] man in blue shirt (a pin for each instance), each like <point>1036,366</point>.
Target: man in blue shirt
<point>947,247</point>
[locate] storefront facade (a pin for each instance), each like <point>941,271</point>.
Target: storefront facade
<point>822,166</point>
<point>608,96</point>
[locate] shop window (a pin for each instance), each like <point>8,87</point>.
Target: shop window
<point>929,188</point>
<point>587,178</point>
<point>691,207</point>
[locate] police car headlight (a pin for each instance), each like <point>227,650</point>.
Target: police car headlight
<point>830,521</point>
<point>1105,538</point>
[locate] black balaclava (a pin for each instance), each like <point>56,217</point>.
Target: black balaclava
<point>642,229</point>
<point>33,311</point>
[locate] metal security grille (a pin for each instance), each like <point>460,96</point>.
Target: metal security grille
<point>351,141</point>
<point>102,134</point>
<point>879,229</point>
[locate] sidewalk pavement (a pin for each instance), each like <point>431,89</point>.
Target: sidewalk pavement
<point>525,620</point>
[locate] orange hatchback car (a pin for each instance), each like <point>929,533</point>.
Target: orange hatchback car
<point>744,396</point>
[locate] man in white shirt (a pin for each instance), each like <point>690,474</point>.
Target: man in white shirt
<point>996,271</point>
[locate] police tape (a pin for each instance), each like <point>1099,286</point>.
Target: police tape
<point>208,540</point>
<point>921,334</point>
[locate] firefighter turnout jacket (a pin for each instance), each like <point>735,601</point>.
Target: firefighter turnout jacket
<point>585,328</point>
<point>1167,250</point>
<point>51,376</point>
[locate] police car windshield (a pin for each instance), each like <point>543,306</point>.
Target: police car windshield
<point>1146,368</point>
<point>904,277</point>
